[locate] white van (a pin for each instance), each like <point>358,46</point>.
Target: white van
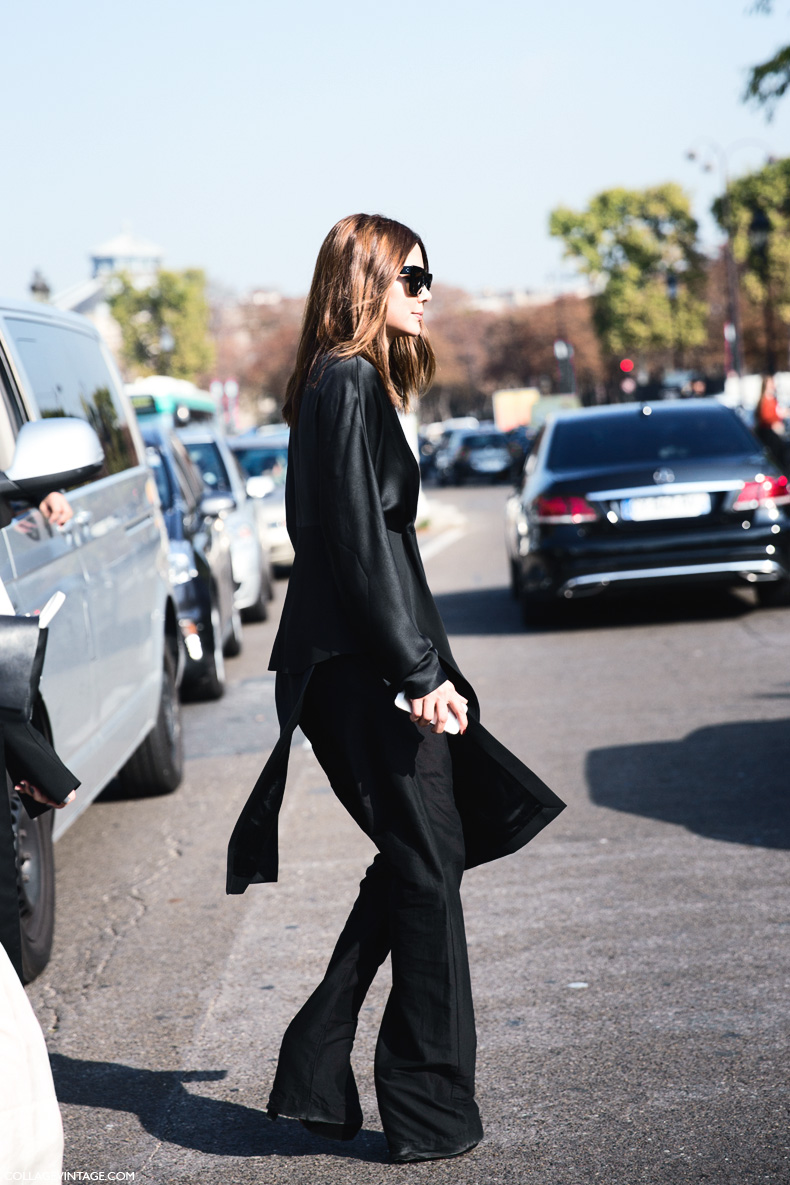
<point>109,693</point>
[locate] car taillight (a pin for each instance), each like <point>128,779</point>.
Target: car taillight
<point>762,492</point>
<point>570,509</point>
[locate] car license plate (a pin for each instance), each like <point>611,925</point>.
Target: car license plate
<point>489,462</point>
<point>641,510</point>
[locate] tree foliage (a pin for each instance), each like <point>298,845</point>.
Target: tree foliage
<point>639,249</point>
<point>165,328</point>
<point>761,198</point>
<point>769,80</point>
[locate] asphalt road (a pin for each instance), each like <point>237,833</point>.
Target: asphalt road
<point>630,966</point>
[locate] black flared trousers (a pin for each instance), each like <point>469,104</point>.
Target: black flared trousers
<point>395,780</point>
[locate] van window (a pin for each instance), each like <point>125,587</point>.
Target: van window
<point>69,377</point>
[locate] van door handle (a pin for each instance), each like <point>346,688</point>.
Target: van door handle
<point>83,518</point>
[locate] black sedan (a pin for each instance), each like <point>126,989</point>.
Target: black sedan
<point>483,454</point>
<point>646,494</point>
<point>200,563</point>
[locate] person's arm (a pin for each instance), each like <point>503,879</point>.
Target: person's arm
<point>355,534</point>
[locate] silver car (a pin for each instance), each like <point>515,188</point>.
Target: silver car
<point>246,528</point>
<point>109,693</point>
<point>263,457</point>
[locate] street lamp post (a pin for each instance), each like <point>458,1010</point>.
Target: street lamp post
<point>732,331</point>
<point>672,293</point>
<point>759,237</point>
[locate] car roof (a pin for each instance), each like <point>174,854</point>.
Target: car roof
<point>201,434</point>
<point>619,410</point>
<point>265,440</point>
<point>153,434</point>
<point>46,312</point>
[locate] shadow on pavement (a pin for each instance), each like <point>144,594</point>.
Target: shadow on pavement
<point>480,611</point>
<point>726,782</point>
<point>495,611</point>
<point>176,1116</point>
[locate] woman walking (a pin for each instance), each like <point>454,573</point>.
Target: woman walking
<point>359,625</point>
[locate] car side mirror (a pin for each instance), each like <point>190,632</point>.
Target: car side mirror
<point>53,453</point>
<point>212,504</point>
<point>259,487</point>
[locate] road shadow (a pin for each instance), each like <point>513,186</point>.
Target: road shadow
<point>171,1113</point>
<point>728,781</point>
<point>494,611</point>
<point>480,611</point>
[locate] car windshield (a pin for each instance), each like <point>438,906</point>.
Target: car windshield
<point>602,442</point>
<point>157,467</point>
<point>259,460</point>
<point>207,457</point>
<point>484,440</point>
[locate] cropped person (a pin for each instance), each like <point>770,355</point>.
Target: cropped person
<point>31,1132</point>
<point>768,416</point>
<point>359,625</point>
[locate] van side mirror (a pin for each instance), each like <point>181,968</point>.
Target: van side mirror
<point>54,453</point>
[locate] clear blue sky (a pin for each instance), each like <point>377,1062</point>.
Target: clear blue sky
<point>235,134</point>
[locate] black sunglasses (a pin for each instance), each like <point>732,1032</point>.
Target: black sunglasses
<point>418,279</point>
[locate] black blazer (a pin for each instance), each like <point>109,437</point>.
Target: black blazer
<point>357,583</point>
<point>358,586</point>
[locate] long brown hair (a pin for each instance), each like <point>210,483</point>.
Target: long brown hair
<point>346,310</point>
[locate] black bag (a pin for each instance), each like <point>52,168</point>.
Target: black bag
<point>28,754</point>
<point>25,754</point>
<point>22,648</point>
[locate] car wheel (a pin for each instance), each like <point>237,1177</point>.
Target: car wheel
<point>233,643</point>
<point>259,610</point>
<point>771,595</point>
<point>212,684</point>
<point>515,579</point>
<point>158,765</point>
<point>35,871</point>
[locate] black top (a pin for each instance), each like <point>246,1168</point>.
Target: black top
<point>357,583</point>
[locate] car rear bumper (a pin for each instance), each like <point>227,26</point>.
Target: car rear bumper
<point>552,571</point>
<point>752,571</point>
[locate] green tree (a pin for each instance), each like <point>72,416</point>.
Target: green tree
<point>639,249</point>
<point>165,328</point>
<point>756,212</point>
<point>770,79</point>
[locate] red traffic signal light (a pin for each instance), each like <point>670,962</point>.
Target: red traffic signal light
<point>626,365</point>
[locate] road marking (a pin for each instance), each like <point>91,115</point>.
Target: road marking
<point>446,539</point>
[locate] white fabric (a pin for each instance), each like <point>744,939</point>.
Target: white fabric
<point>31,1132</point>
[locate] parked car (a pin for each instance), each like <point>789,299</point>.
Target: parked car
<point>263,458</point>
<point>109,693</point>
<point>483,453</point>
<point>200,565</point>
<point>519,441</point>
<point>638,495</point>
<point>249,550</point>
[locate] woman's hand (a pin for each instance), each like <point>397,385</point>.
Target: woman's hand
<point>56,509</point>
<point>25,787</point>
<point>432,709</point>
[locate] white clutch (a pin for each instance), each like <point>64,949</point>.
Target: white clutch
<point>452,726</point>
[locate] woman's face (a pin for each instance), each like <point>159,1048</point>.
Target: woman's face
<point>404,312</point>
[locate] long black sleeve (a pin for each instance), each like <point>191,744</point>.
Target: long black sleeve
<point>355,532</point>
